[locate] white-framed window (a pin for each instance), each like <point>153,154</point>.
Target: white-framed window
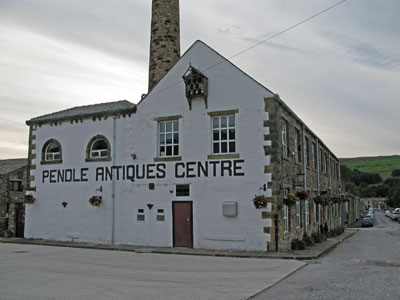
<point>99,149</point>
<point>306,152</point>
<point>51,152</point>
<point>168,133</point>
<point>284,139</point>
<point>140,215</point>
<point>223,134</point>
<point>306,212</point>
<point>315,212</point>
<point>160,215</point>
<point>320,159</point>
<point>285,218</point>
<point>297,151</point>
<point>298,215</point>
<point>314,155</point>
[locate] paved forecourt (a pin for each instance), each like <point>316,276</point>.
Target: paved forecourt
<point>43,272</point>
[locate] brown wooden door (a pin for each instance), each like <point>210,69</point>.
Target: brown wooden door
<point>182,224</point>
<point>19,220</point>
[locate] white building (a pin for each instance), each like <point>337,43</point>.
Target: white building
<point>182,167</point>
<point>169,175</point>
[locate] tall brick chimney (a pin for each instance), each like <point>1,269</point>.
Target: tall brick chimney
<point>165,39</point>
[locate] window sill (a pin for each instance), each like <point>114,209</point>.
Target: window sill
<point>51,162</point>
<point>172,158</point>
<point>98,159</point>
<point>223,156</point>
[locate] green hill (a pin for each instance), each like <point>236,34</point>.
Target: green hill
<point>383,165</point>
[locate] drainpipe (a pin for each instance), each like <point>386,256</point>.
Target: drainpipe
<point>330,188</point>
<point>305,172</point>
<point>318,188</point>
<point>113,181</point>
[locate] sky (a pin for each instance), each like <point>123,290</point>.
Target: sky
<point>340,71</point>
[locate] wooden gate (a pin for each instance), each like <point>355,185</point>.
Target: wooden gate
<point>182,224</point>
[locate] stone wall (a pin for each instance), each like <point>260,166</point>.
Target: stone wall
<point>299,169</point>
<point>10,200</point>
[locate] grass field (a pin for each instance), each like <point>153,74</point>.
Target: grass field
<point>383,165</point>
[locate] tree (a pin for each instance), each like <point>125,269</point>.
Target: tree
<point>396,173</point>
<point>371,178</point>
<point>394,196</point>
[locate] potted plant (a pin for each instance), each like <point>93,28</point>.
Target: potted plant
<point>290,199</point>
<point>96,200</point>
<point>8,233</point>
<point>29,199</point>
<point>260,201</point>
<point>303,195</point>
<point>318,199</point>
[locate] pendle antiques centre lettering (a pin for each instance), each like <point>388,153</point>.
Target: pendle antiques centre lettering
<point>215,168</point>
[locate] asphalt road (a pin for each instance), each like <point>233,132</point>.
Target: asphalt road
<point>365,266</point>
<point>56,273</point>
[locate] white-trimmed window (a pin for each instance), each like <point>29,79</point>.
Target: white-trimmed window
<point>320,159</point>
<point>223,134</point>
<point>314,155</point>
<point>99,149</point>
<point>306,212</point>
<point>306,152</point>
<point>160,215</point>
<point>296,145</point>
<point>298,216</point>
<point>285,218</point>
<point>284,139</point>
<point>315,211</point>
<point>51,152</point>
<point>140,215</point>
<point>168,132</point>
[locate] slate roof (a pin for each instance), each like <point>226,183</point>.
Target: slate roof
<point>94,110</point>
<point>10,165</point>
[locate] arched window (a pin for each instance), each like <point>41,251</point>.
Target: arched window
<point>51,152</point>
<point>98,149</point>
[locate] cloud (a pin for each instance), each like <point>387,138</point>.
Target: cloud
<point>365,52</point>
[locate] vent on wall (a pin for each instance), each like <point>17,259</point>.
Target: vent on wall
<point>229,209</point>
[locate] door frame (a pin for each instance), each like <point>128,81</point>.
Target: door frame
<point>173,221</point>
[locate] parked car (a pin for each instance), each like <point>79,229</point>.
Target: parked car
<point>388,213</point>
<point>371,215</point>
<point>395,216</point>
<point>367,222</point>
<point>367,217</point>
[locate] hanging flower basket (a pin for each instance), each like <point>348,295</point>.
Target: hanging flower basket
<point>29,199</point>
<point>290,199</point>
<point>303,195</point>
<point>260,201</point>
<point>326,201</point>
<point>96,200</point>
<point>318,199</point>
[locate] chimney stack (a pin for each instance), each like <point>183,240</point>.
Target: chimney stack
<point>164,40</point>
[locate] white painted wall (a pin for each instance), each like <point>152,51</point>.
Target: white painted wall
<point>229,89</point>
